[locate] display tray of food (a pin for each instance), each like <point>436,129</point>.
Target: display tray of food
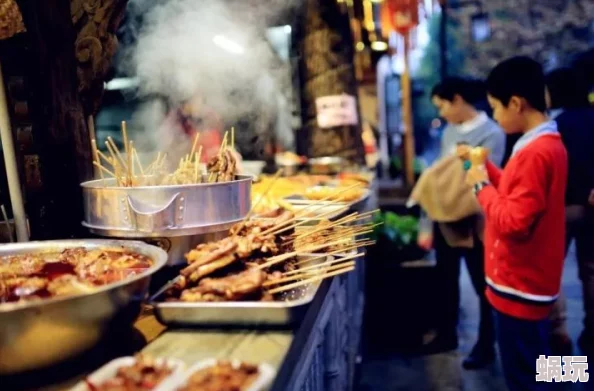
<point>138,373</point>
<point>237,299</point>
<point>354,196</point>
<point>58,297</point>
<point>224,375</point>
<point>263,273</point>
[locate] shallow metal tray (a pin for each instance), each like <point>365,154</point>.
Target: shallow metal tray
<point>354,206</point>
<point>239,313</point>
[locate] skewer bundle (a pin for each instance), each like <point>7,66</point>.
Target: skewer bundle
<point>128,171</point>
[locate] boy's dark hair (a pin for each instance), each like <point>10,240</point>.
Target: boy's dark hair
<point>472,91</point>
<point>566,89</point>
<point>518,76</point>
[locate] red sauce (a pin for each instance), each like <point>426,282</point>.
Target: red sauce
<point>65,266</point>
<point>53,270</point>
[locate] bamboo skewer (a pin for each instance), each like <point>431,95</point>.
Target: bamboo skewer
<point>346,234</point>
<point>355,246</point>
<point>127,150</point>
<point>283,257</point>
<point>96,154</point>
<point>100,167</point>
<point>116,152</point>
<point>194,144</point>
<point>262,196</point>
<point>137,160</point>
<point>197,165</point>
<point>325,255</point>
<point>310,280</point>
<point>301,213</point>
<point>323,264</point>
<point>275,230</point>
<point>307,274</point>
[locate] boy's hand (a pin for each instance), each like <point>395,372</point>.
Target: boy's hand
<point>591,198</point>
<point>463,151</point>
<point>476,175</point>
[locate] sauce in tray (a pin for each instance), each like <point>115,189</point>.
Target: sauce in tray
<point>35,276</point>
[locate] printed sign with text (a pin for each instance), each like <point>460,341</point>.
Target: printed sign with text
<point>336,110</point>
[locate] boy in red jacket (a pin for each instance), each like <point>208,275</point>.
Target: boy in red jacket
<point>525,214</point>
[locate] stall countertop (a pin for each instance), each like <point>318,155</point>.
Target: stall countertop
<point>279,348</point>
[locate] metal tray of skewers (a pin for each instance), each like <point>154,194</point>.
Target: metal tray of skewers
<point>262,309</point>
<point>264,273</point>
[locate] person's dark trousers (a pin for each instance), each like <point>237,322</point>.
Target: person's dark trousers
<point>448,292</point>
<point>521,342</point>
<point>581,229</point>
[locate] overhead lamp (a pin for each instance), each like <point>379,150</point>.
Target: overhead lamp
<point>360,46</point>
<point>379,46</point>
<point>227,44</point>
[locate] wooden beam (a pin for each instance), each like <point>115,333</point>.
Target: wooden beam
<point>60,132</point>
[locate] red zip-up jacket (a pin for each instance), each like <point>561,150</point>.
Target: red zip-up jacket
<point>525,229</point>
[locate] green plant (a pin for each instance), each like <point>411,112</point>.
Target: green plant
<point>400,230</point>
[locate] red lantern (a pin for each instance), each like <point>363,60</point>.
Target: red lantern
<point>399,15</point>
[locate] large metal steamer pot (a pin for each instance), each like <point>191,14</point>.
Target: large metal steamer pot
<point>176,217</point>
<point>35,335</point>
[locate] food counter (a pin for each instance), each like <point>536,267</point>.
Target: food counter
<point>319,353</point>
<point>314,355</point>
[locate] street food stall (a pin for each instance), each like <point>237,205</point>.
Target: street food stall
<point>263,304</point>
<point>198,275</point>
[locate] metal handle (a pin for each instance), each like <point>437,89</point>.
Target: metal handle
<point>148,218</point>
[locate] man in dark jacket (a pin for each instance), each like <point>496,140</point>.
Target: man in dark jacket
<point>569,107</point>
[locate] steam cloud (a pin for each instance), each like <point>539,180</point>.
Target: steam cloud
<point>215,49</point>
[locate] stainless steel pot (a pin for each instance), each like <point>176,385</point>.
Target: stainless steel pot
<point>164,211</point>
<point>38,334</point>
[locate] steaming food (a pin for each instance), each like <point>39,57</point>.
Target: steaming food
<point>129,172</point>
<point>144,375</point>
<point>35,276</point>
<point>223,376</point>
<point>222,167</point>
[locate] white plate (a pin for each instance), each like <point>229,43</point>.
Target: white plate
<point>265,377</point>
<point>109,370</point>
